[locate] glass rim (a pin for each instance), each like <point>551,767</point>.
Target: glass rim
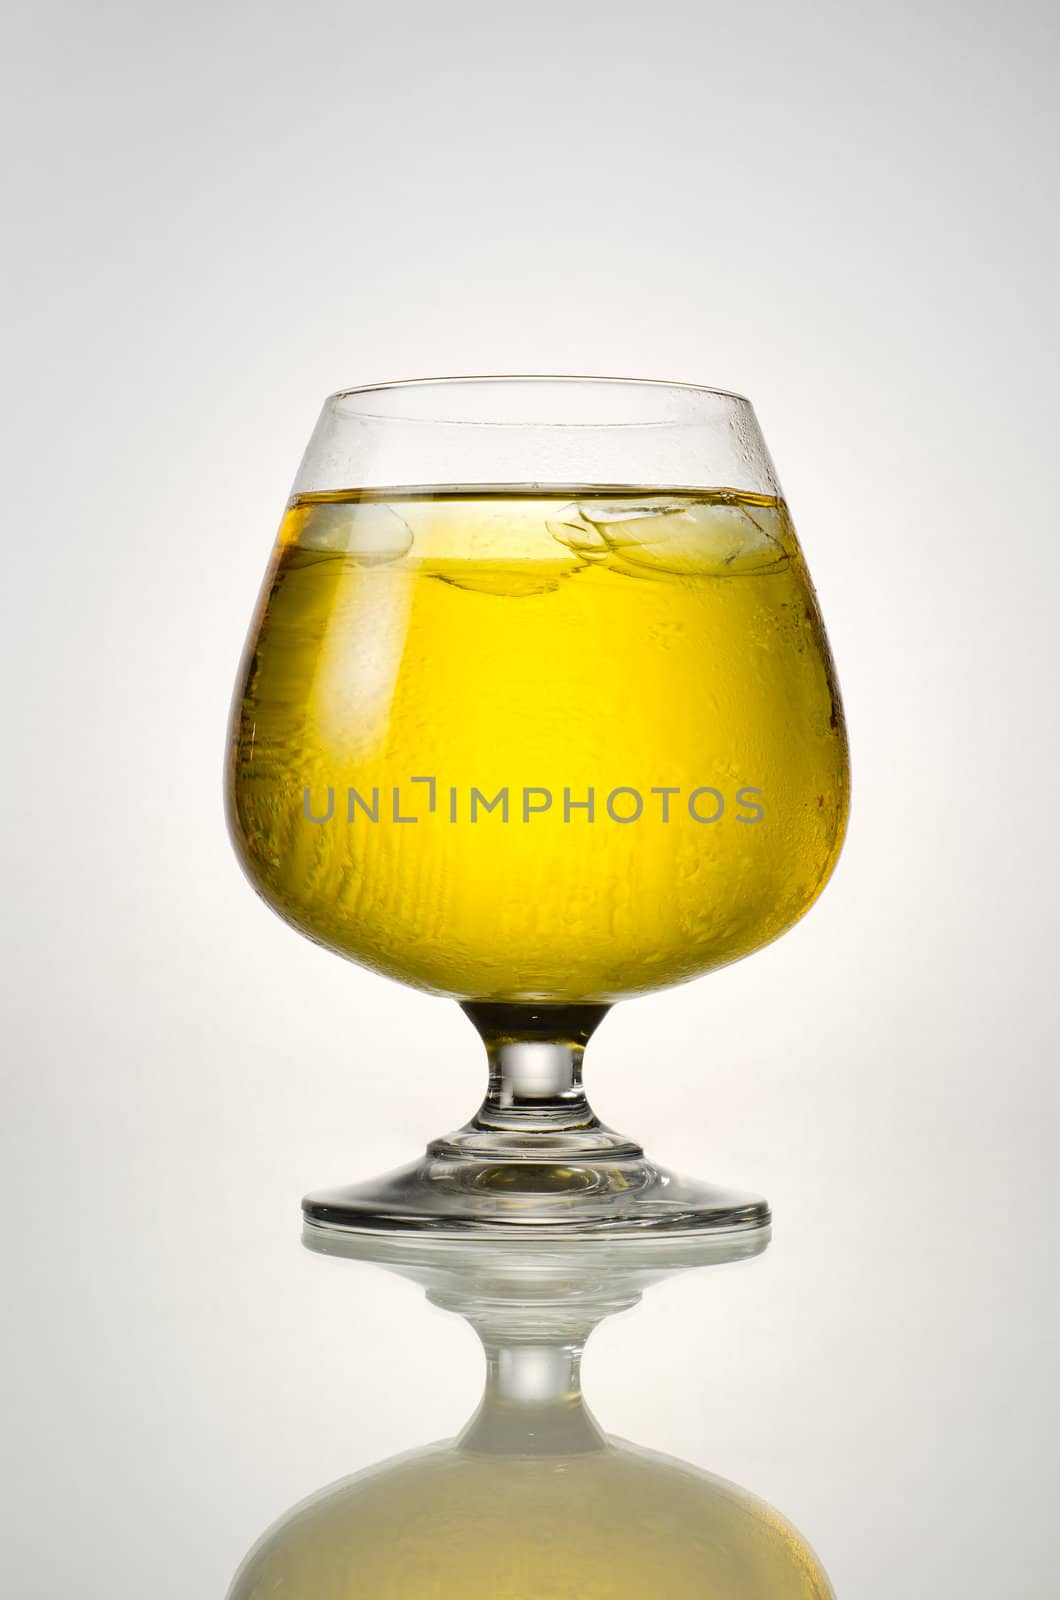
<point>529,379</point>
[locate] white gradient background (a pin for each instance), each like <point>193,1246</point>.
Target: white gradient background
<point>220,212</point>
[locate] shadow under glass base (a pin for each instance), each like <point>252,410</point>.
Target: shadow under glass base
<point>535,1160</point>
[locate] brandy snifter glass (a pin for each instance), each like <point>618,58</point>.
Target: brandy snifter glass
<point>537,713</point>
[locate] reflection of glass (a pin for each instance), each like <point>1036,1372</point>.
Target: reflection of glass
<point>538,713</point>
<point>532,1498</point>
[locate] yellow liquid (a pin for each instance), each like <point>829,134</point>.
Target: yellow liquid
<point>617,1524</point>
<point>519,652</point>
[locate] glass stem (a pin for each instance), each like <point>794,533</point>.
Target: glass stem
<point>535,1063</point>
<point>532,1403</point>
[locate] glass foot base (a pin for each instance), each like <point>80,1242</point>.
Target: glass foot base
<point>535,1159</point>
<point>505,1187</point>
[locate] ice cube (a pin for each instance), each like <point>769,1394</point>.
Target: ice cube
<point>571,528</point>
<point>605,513</point>
<point>694,538</point>
<point>369,532</point>
<point>512,580</point>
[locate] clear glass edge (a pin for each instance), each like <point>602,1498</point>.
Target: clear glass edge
<point>470,379</point>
